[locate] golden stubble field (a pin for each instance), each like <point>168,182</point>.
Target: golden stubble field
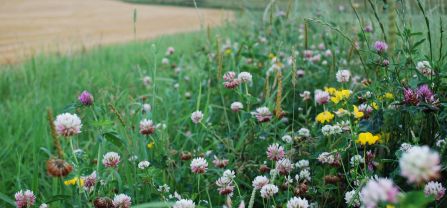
<point>28,27</point>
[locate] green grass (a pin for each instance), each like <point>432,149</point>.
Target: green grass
<point>114,75</point>
<point>53,81</point>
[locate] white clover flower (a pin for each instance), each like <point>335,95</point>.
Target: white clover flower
<point>245,77</point>
<point>304,132</point>
<point>165,61</point>
<point>424,68</point>
<point>111,160</point>
<point>122,201</point>
<point>199,165</point>
<point>352,199</point>
<point>184,203</point>
<point>143,164</point>
<point>434,188</point>
<point>302,164</point>
<point>229,174</point>
<point>147,127</point>
<point>284,166</point>
<point>378,190</point>
<point>305,175</point>
<point>67,124</point>
<point>164,188</point>
<point>236,106</point>
<point>297,202</point>
<point>268,191</point>
<point>356,160</point>
<point>260,181</point>
<point>404,147</point>
<point>321,97</point>
<point>326,158</point>
<point>287,139</point>
<point>147,108</point>
<point>43,205</point>
<point>197,117</point>
<point>343,76</point>
<point>419,164</point>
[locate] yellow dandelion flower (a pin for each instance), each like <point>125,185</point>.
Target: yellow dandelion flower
<point>368,138</point>
<point>357,114</point>
<point>151,145</point>
<point>324,117</point>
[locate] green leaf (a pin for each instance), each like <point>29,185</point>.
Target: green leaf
<point>114,138</point>
<point>415,199</point>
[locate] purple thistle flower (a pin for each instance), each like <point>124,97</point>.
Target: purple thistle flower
<point>380,46</point>
<point>86,98</point>
<point>424,92</point>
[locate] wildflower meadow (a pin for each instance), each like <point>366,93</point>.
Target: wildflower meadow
<point>296,105</point>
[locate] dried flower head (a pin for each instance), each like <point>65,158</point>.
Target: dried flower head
<point>58,167</point>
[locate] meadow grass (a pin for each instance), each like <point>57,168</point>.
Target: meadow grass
<point>53,81</point>
<point>115,76</point>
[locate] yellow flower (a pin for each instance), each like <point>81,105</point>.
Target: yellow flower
<point>389,96</point>
<point>338,95</point>
<point>228,51</point>
<point>358,114</point>
<point>272,56</point>
<point>324,117</point>
<point>151,145</point>
<point>330,90</point>
<point>74,181</point>
<point>374,105</point>
<point>390,206</point>
<point>368,138</point>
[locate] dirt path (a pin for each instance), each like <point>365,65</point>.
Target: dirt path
<point>31,26</point>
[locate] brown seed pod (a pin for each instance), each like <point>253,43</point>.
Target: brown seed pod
<point>103,202</point>
<point>58,167</point>
<point>331,179</point>
<point>185,156</point>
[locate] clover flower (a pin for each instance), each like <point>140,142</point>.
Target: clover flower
<point>275,152</point>
<point>111,160</point>
<point>67,124</point>
<point>199,165</point>
<point>352,198</point>
<point>260,181</point>
<point>122,201</point>
<point>25,199</point>
<point>197,117</point>
<point>236,106</point>
<point>297,202</point>
<point>143,164</point>
<point>343,76</point>
<point>378,190</point>
<point>380,46</point>
<point>420,164</point>
<point>268,191</point>
<point>435,189</point>
<point>86,98</point>
<point>284,166</point>
<point>322,97</point>
<point>184,203</point>
<point>89,181</point>
<point>147,127</point>
<point>245,77</point>
<point>262,114</point>
<point>231,81</point>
